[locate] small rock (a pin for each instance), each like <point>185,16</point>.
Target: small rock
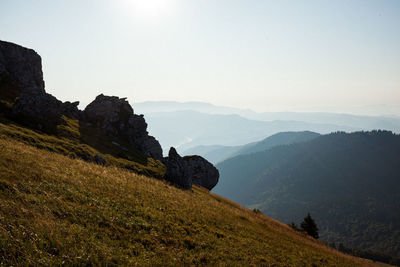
<point>100,160</point>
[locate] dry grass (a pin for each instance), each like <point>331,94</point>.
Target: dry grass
<point>56,210</point>
<point>77,141</point>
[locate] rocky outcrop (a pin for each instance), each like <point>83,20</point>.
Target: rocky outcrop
<point>70,109</point>
<point>115,117</point>
<point>22,85</point>
<point>42,110</point>
<point>20,70</point>
<point>24,99</point>
<point>190,170</point>
<point>108,113</point>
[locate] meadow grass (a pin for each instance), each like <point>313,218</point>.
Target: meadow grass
<point>55,210</point>
<point>80,141</point>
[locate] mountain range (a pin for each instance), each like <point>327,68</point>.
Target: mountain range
<point>349,182</point>
<point>389,111</point>
<point>189,124</point>
<point>186,129</point>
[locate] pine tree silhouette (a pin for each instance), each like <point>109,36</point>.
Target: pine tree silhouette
<point>309,226</point>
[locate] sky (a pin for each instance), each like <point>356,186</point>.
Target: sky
<point>258,54</point>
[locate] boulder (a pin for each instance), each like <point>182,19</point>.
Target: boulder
<point>201,171</point>
<point>40,111</point>
<point>190,170</point>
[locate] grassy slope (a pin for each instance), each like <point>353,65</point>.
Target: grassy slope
<point>79,141</point>
<point>54,210</point>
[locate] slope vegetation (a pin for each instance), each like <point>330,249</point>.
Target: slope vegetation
<point>349,182</point>
<point>56,210</point>
<point>77,141</point>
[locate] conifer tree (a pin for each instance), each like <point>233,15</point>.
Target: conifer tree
<point>309,226</point>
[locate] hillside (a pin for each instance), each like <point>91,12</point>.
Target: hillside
<point>29,114</point>
<point>217,154</point>
<point>106,132</point>
<point>57,210</point>
<point>349,183</point>
<point>92,187</point>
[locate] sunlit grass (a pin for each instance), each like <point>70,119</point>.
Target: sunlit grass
<point>77,141</point>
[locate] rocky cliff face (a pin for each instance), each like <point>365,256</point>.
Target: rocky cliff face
<point>22,85</point>
<point>190,170</point>
<point>20,69</point>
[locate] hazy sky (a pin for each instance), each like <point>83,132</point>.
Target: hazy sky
<point>259,54</point>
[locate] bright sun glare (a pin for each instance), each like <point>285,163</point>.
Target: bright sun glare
<point>150,9</point>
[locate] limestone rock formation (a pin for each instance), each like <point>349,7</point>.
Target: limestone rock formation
<point>115,117</point>
<point>20,70</point>
<point>190,170</point>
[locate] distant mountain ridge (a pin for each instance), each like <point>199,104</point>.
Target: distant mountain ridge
<point>186,129</point>
<point>217,154</point>
<point>364,122</point>
<point>349,183</point>
<point>183,125</point>
<point>361,111</point>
